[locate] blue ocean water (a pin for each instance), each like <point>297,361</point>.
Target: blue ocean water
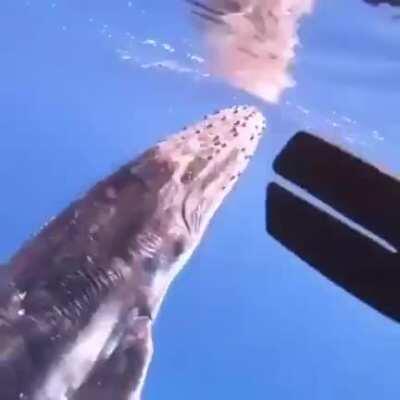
<point>86,86</point>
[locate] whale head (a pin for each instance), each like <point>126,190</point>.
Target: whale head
<point>199,166</point>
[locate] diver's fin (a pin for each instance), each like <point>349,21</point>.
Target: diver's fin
<point>122,367</point>
<point>355,189</point>
<point>348,258</point>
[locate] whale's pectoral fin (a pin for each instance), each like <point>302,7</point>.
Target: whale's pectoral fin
<point>364,262</point>
<point>121,370</point>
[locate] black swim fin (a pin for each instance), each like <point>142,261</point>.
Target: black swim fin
<point>355,189</point>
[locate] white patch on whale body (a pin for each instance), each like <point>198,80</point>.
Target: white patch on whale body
<point>163,279</point>
<point>70,371</point>
<point>143,328</point>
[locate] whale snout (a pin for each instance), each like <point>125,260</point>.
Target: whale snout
<point>218,147</point>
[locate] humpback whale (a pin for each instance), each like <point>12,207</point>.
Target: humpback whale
<point>79,299</point>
